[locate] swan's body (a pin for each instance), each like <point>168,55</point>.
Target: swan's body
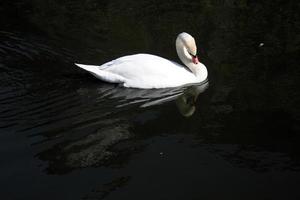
<point>149,71</point>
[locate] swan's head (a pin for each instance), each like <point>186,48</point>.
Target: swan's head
<point>189,46</point>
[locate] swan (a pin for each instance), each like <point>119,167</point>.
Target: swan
<point>146,71</point>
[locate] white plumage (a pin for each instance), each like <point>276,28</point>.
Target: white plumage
<point>149,71</point>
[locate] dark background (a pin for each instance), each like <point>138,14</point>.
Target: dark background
<point>66,135</point>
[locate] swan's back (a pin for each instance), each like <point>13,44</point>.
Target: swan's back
<point>149,71</point>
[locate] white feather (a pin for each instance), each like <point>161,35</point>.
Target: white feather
<point>150,71</point>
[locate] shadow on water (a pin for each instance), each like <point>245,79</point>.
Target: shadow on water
<point>70,136</point>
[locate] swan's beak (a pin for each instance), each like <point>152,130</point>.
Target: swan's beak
<point>195,59</point>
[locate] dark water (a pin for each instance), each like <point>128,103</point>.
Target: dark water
<point>66,135</point>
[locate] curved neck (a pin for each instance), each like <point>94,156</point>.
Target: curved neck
<point>199,70</point>
<point>184,56</point>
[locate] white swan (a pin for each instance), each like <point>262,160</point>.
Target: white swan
<point>149,71</point>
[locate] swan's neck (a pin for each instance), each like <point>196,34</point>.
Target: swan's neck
<point>199,70</point>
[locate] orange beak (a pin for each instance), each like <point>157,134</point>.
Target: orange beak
<point>195,60</point>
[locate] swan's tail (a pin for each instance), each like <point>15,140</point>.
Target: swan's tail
<point>89,68</point>
<point>102,74</point>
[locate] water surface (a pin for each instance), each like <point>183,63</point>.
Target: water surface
<point>66,135</point>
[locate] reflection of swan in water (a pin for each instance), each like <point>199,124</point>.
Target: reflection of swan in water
<point>122,97</point>
<point>186,102</point>
<point>99,148</point>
